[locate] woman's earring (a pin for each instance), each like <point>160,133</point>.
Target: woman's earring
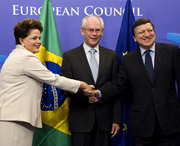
<point>23,45</point>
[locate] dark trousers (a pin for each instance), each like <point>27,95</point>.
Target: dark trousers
<point>165,140</point>
<point>157,139</point>
<point>94,138</point>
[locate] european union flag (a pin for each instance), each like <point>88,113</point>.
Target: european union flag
<point>125,44</point>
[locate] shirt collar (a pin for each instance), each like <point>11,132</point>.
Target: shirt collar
<point>87,48</point>
<point>143,50</point>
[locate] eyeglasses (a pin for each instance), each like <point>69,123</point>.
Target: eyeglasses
<point>94,30</point>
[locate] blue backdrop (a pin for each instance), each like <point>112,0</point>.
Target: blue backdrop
<point>69,13</point>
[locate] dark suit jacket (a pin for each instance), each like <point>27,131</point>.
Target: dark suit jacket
<point>150,101</point>
<point>83,114</point>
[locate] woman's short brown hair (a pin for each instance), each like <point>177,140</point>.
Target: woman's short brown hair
<point>22,28</point>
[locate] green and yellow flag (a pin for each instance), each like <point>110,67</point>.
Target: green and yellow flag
<point>54,106</point>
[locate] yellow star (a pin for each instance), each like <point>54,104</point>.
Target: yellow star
<point>125,53</point>
<point>125,127</point>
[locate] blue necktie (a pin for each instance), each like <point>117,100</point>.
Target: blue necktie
<point>148,64</point>
<point>93,64</point>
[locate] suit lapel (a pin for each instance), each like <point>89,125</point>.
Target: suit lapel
<point>159,55</point>
<point>102,61</point>
<point>140,65</point>
<point>83,59</point>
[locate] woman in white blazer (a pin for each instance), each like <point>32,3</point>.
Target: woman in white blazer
<point>21,81</point>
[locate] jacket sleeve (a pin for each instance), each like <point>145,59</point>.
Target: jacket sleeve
<point>34,69</point>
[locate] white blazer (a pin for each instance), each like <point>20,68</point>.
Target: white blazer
<point>21,81</point>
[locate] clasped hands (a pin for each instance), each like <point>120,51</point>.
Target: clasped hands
<point>91,93</point>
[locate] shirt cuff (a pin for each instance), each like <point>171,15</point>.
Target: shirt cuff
<point>99,96</point>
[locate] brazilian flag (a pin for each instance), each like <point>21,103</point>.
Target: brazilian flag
<point>54,106</point>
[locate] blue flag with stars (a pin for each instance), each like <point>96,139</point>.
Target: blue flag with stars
<point>125,44</point>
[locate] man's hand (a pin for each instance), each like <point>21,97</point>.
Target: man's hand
<point>95,93</point>
<point>88,91</point>
<point>93,99</point>
<point>115,129</point>
<point>92,94</point>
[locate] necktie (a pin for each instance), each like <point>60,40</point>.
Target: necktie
<point>93,64</point>
<point>148,64</point>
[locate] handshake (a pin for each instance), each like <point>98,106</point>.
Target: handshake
<point>88,90</point>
